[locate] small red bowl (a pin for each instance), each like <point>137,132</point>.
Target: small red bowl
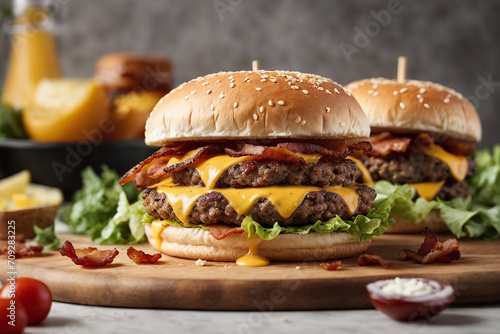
<point>404,307</point>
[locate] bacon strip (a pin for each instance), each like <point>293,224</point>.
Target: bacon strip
<point>367,259</point>
<point>88,257</point>
<point>341,151</point>
<point>332,265</point>
<point>392,144</point>
<point>22,250</point>
<point>163,152</point>
<point>220,231</point>
<point>156,173</point>
<point>430,241</point>
<point>263,152</point>
<point>439,252</point>
<point>139,257</point>
<point>360,146</point>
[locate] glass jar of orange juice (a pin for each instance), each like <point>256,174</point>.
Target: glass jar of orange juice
<point>33,54</point>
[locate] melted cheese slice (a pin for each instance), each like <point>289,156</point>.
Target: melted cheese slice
<point>253,259</point>
<point>285,198</point>
<point>457,164</point>
<point>367,178</point>
<point>314,158</point>
<point>427,190</point>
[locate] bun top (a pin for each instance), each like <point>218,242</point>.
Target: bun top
<point>417,106</point>
<point>256,105</point>
<point>123,71</point>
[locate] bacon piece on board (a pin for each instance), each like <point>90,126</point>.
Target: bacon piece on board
<point>139,257</point>
<point>88,257</point>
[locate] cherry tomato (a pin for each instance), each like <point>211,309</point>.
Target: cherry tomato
<point>15,314</point>
<point>34,295</point>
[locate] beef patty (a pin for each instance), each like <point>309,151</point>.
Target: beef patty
<point>213,208</point>
<point>416,167</point>
<point>262,173</point>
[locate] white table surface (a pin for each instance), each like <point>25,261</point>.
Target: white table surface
<point>81,319</point>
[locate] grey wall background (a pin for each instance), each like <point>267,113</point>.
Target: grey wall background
<point>456,43</point>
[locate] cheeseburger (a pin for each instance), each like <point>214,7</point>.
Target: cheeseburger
<point>422,133</point>
<point>257,160</point>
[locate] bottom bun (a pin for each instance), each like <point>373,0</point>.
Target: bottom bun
<point>196,243</point>
<point>433,221</point>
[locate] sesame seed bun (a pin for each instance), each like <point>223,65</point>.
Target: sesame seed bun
<point>256,104</point>
<point>417,106</point>
<point>123,71</point>
<point>196,243</point>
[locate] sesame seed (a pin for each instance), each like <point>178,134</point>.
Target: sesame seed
<point>221,96</point>
<point>395,92</point>
<point>370,91</point>
<point>212,107</point>
<point>402,105</point>
<point>205,83</point>
<point>375,93</point>
<point>235,105</point>
<point>281,103</point>
<point>187,97</point>
<point>261,109</point>
<point>421,100</point>
<point>258,88</point>
<point>298,119</point>
<point>347,92</point>
<point>285,319</point>
<point>342,124</point>
<point>247,79</point>
<point>271,103</point>
<point>321,88</point>
<point>375,86</point>
<point>193,92</point>
<point>426,106</point>
<point>305,91</point>
<point>303,122</point>
<point>446,100</point>
<point>294,87</point>
<point>218,80</point>
<point>230,77</point>
<point>209,91</point>
<point>422,90</point>
<point>402,90</point>
<point>232,80</point>
<point>336,91</point>
<point>232,85</point>
<point>263,80</point>
<point>255,116</point>
<point>327,109</point>
<point>419,96</point>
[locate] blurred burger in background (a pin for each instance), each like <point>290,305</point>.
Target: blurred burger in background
<point>421,134</point>
<point>133,85</point>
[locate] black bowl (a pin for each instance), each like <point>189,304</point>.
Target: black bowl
<point>60,164</point>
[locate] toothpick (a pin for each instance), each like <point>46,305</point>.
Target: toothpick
<point>401,69</point>
<point>255,65</point>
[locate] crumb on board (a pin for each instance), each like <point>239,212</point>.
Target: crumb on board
<point>200,262</point>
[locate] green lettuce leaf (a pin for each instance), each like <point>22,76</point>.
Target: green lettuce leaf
<point>105,210</point>
<point>47,237</point>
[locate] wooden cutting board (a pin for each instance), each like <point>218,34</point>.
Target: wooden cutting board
<point>179,284</point>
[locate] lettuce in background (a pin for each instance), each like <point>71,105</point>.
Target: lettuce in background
<point>477,216</point>
<point>105,210</point>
